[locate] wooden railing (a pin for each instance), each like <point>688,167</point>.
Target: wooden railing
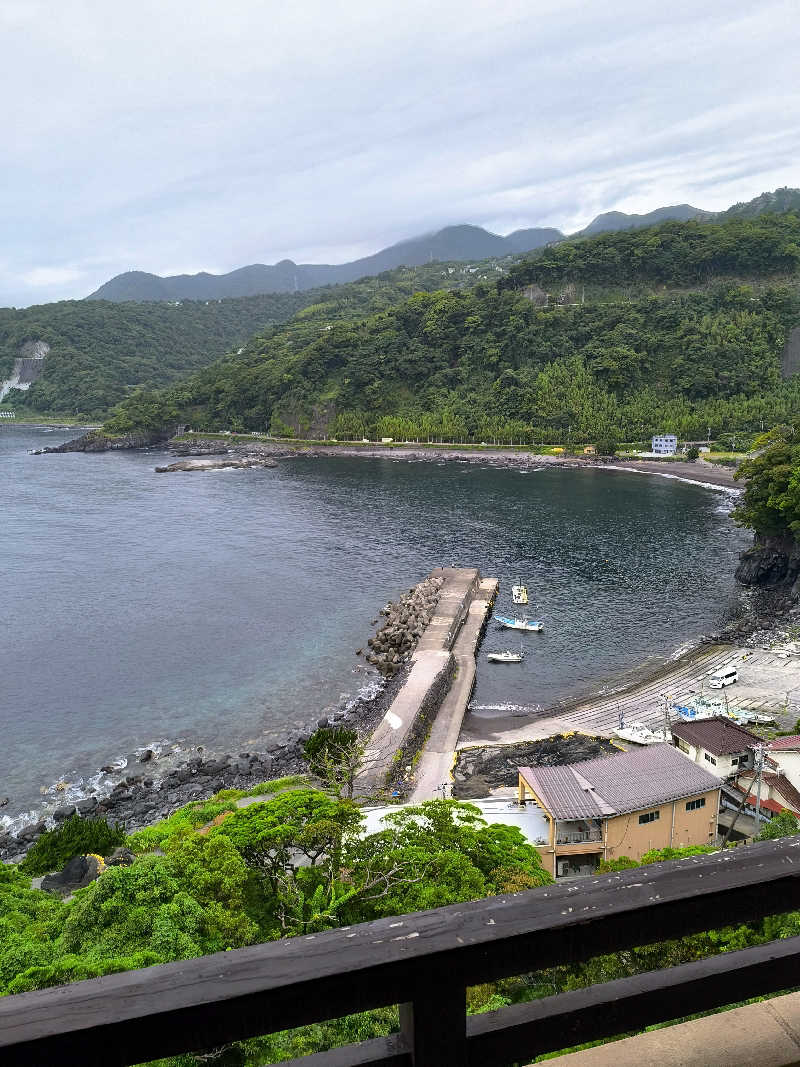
<point>425,962</point>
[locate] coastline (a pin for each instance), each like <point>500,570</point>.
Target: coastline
<point>142,790</point>
<point>698,472</point>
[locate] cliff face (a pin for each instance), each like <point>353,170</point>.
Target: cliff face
<point>773,563</point>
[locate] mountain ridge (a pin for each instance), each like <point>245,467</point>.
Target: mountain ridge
<point>450,244</point>
<point>456,243</point>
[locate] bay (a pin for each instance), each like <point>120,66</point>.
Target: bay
<point>223,609</point>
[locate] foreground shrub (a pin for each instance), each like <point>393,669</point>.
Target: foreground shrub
<point>74,837</point>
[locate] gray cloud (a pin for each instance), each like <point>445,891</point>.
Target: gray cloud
<point>192,135</point>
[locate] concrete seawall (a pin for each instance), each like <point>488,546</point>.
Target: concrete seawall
<point>464,602</point>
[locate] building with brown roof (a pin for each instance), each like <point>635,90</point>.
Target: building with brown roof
<point>622,805</point>
<point>777,792</point>
<point>783,754</point>
<point>718,744</point>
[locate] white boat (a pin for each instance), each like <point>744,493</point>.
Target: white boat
<point>639,734</point>
<point>750,718</point>
<point>505,657</point>
<point>518,624</point>
<point>519,592</point>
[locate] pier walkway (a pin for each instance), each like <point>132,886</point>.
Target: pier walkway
<point>440,674</point>
<point>436,759</point>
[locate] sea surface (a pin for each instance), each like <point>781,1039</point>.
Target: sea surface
<point>223,609</point>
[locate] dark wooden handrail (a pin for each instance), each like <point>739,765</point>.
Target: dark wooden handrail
<point>424,962</point>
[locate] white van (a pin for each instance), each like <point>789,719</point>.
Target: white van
<point>725,676</point>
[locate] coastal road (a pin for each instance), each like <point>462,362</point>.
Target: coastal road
<point>436,760</point>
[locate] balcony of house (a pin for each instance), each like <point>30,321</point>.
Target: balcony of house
<point>578,832</point>
<point>425,963</point>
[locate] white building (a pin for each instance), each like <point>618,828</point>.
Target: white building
<point>665,444</point>
<point>721,746</point>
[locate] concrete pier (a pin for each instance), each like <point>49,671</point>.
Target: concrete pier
<point>436,760</point>
<point>442,655</point>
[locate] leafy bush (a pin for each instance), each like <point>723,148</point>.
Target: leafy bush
<point>779,826</point>
<point>656,855</point>
<point>191,817</point>
<point>606,446</point>
<point>692,453</point>
<point>622,863</point>
<point>75,837</point>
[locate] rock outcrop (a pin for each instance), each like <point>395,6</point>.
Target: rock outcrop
<point>97,441</point>
<point>772,562</point>
<point>78,873</point>
<point>481,769</point>
<point>216,464</point>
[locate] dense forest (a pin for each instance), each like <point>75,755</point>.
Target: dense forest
<point>671,254</point>
<point>489,364</point>
<point>100,351</point>
<point>770,503</point>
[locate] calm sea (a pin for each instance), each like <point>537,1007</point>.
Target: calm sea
<point>224,608</point>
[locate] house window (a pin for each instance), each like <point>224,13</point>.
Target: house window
<point>649,816</point>
<point>693,805</point>
<point>710,759</point>
<point>682,745</point>
<point>735,761</point>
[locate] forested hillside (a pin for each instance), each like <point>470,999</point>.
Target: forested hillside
<point>100,351</point>
<point>671,254</point>
<point>488,363</point>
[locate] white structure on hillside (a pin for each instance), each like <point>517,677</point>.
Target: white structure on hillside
<point>665,444</point>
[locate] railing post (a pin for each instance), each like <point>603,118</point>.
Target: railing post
<point>434,1024</point>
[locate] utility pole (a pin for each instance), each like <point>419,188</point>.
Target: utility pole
<point>760,768</point>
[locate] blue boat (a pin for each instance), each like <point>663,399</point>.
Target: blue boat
<point>518,624</point>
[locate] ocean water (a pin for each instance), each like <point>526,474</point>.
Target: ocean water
<point>223,609</point>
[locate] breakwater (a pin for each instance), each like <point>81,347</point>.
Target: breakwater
<point>403,730</point>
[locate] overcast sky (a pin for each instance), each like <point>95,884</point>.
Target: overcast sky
<point>185,135</point>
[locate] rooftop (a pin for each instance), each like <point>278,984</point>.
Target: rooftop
<point>782,785</point>
<point>785,743</point>
<point>614,785</point>
<point>719,736</point>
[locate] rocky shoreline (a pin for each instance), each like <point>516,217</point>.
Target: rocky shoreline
<point>143,792</point>
<point>698,471</point>
<point>149,787</point>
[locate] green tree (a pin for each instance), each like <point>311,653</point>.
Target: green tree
<point>780,825</point>
<point>75,836</point>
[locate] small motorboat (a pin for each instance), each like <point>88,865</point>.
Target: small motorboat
<point>750,718</point>
<point>505,657</point>
<point>518,624</point>
<point>519,592</point>
<point>639,734</point>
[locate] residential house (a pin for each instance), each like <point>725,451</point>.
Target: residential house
<point>784,755</point>
<point>777,792</point>
<point>621,805</point>
<point>665,444</point>
<point>780,777</point>
<point>718,744</point>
